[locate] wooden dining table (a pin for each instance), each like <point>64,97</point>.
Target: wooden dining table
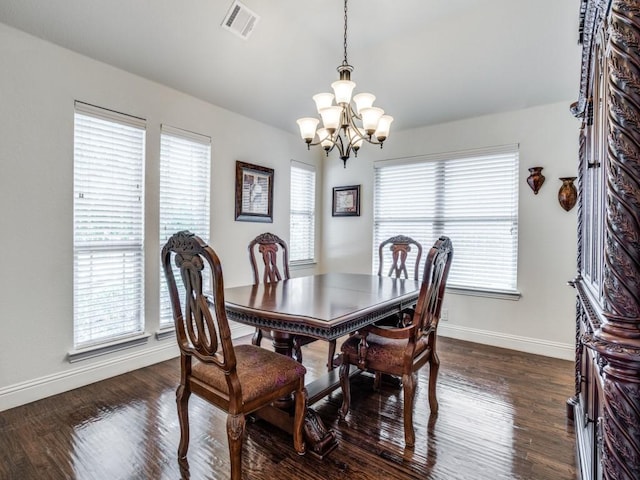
<point>327,307</point>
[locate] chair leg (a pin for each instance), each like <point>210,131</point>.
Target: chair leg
<point>182,399</point>
<point>298,420</point>
<point>332,354</point>
<point>257,337</point>
<point>434,367</point>
<point>409,389</point>
<point>346,389</point>
<point>235,431</point>
<point>297,350</point>
<point>377,380</point>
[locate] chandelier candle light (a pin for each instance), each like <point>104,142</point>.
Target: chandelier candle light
<point>339,128</point>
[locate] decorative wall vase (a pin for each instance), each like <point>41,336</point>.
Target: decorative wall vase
<point>568,194</point>
<point>536,179</point>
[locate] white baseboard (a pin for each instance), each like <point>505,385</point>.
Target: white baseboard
<point>523,344</point>
<point>239,330</point>
<point>42,387</point>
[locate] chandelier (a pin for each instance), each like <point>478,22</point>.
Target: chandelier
<point>340,122</point>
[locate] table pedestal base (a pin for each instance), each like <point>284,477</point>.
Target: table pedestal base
<point>320,441</point>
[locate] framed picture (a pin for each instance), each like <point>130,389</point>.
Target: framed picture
<point>346,201</point>
<point>254,193</point>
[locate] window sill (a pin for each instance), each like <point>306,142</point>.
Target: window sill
<point>300,264</point>
<point>164,333</point>
<point>105,348</point>
<point>498,294</point>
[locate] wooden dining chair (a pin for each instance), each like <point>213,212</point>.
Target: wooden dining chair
<point>395,252</point>
<point>398,249</point>
<point>274,267</point>
<point>403,351</point>
<point>239,379</point>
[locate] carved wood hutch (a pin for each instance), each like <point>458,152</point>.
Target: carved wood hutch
<point>606,408</point>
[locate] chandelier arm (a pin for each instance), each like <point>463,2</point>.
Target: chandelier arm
<point>351,115</point>
<point>372,140</point>
<point>339,143</point>
<point>336,141</point>
<point>319,142</point>
<point>344,153</point>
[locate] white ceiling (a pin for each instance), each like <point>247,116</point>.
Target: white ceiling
<point>427,61</point>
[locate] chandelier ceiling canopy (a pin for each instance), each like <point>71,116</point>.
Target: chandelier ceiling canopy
<point>345,126</point>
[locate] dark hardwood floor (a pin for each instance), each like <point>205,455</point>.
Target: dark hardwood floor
<point>502,416</point>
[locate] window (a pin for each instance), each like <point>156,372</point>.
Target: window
<point>108,230</point>
<point>303,213</point>
<point>185,166</point>
<point>472,197</point>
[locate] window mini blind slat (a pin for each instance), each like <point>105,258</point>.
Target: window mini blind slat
<point>108,225</point>
<point>185,171</point>
<point>302,214</point>
<point>400,183</point>
<point>470,197</point>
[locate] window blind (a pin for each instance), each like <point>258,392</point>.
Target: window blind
<point>108,207</point>
<point>185,166</point>
<point>302,213</point>
<point>472,197</point>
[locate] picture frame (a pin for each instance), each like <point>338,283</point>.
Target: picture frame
<point>254,193</point>
<point>346,201</point>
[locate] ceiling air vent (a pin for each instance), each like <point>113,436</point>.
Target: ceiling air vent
<point>240,20</point>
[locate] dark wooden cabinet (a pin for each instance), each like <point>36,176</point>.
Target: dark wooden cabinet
<point>606,407</point>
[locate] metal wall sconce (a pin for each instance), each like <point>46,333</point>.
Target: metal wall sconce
<point>536,179</point>
<point>568,193</point>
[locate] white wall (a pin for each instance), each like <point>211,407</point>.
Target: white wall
<point>542,321</point>
<point>38,85</point>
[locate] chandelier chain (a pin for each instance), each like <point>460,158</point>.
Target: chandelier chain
<point>344,62</point>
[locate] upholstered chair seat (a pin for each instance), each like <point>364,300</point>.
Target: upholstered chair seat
<point>382,352</point>
<point>273,371</point>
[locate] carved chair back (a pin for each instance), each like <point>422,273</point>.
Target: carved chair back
<point>434,281</point>
<point>201,332</point>
<point>396,250</point>
<point>400,248</point>
<point>274,267</point>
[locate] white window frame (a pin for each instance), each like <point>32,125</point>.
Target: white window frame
<point>302,215</point>
<point>456,194</point>
<point>185,178</point>
<point>108,232</point>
